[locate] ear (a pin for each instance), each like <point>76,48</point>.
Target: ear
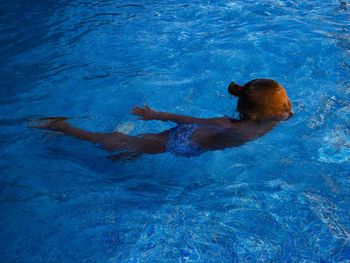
<point>234,89</point>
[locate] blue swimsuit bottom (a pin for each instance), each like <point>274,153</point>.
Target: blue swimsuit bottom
<point>180,143</point>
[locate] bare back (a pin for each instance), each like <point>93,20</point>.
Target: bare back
<point>214,137</point>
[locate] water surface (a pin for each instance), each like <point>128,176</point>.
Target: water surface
<point>282,198</point>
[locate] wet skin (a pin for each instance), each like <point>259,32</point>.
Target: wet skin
<point>211,134</point>
<point>262,104</point>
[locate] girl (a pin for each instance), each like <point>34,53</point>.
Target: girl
<point>262,103</point>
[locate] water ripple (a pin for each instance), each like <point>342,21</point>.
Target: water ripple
<point>282,198</point>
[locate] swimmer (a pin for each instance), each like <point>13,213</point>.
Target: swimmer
<point>262,104</point>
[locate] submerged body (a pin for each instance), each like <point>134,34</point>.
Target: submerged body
<point>262,104</point>
<point>185,139</point>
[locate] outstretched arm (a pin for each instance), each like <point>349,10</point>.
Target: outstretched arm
<point>147,113</point>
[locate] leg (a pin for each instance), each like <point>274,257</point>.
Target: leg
<point>146,143</point>
<point>151,143</point>
<point>59,124</point>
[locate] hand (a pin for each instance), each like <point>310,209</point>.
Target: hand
<point>145,113</point>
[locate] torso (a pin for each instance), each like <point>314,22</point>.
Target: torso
<point>215,137</point>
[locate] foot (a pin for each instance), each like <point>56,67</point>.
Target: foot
<point>51,123</point>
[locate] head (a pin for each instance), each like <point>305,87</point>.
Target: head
<point>261,99</point>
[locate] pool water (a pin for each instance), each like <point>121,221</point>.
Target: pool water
<point>282,198</point>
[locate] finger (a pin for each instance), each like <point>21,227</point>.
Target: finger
<point>136,109</point>
<point>139,112</point>
<point>136,113</point>
<point>140,109</point>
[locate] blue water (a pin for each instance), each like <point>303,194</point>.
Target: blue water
<point>282,198</point>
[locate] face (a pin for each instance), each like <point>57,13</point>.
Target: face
<point>264,99</point>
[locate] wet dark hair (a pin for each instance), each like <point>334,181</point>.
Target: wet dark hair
<point>261,99</point>
<point>235,89</point>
